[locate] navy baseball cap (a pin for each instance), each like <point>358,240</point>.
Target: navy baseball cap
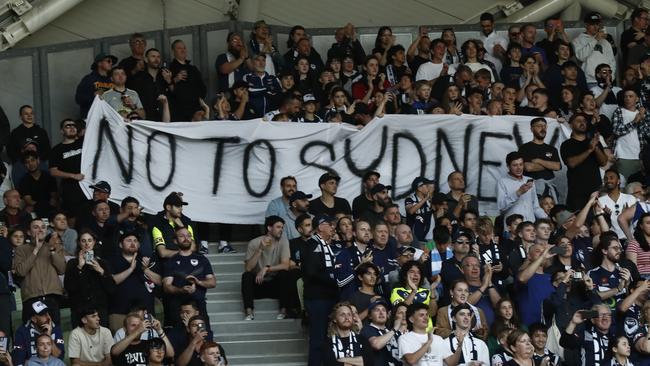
<point>420,181</point>
<point>380,187</point>
<point>327,177</point>
<point>102,186</point>
<point>299,195</point>
<point>322,218</point>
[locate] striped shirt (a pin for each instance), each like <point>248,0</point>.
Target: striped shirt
<point>642,257</point>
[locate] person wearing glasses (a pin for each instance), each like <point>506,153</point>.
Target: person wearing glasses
<point>95,83</point>
<point>135,63</point>
<point>65,164</point>
<point>610,276</point>
<point>615,201</point>
<point>451,269</point>
<point>593,337</point>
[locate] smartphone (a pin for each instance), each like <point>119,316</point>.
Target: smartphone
<point>589,314</point>
<point>367,252</point>
<point>3,343</point>
<point>577,276</point>
<point>201,327</point>
<point>164,65</point>
<point>559,250</point>
<point>46,221</point>
<point>2,224</point>
<point>530,180</point>
<point>89,256</point>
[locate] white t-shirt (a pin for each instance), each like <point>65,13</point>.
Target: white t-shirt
<point>411,343</point>
<point>474,349</point>
<point>627,146</point>
<point>90,348</point>
<point>624,201</point>
<point>429,71</point>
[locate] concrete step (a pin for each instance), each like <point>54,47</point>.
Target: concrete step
<point>226,277</point>
<point>240,326</point>
<point>215,258</point>
<point>217,316</point>
<point>230,285</point>
<point>260,336</point>
<point>231,303</point>
<point>270,347</point>
<point>254,358</point>
<point>228,266</point>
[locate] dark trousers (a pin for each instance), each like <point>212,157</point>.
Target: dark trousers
<point>5,312</point>
<point>282,287</point>
<point>52,302</point>
<point>319,311</point>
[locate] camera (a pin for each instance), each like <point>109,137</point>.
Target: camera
<point>577,276</point>
<point>89,256</point>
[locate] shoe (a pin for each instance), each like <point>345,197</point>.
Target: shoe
<point>281,316</point>
<point>249,317</point>
<point>227,249</point>
<point>204,247</point>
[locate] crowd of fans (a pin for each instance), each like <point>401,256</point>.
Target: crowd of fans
<point>430,283</point>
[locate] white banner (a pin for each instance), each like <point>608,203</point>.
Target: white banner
<point>228,171</point>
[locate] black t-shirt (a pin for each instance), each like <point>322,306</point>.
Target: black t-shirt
<point>135,289</point>
<point>39,189</point>
<point>179,267</point>
<point>531,150</point>
<point>604,126</point>
<point>133,355</point>
<point>296,247</point>
<point>416,63</point>
<point>627,37</point>
<point>582,179</point>
<point>341,205</point>
<point>389,355</point>
<point>67,158</point>
<point>361,204</point>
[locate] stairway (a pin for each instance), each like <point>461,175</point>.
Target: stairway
<point>263,341</point>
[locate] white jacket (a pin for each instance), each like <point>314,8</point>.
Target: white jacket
<point>584,46</point>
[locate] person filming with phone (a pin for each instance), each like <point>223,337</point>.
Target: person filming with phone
<point>39,263</point>
<point>88,280</point>
<point>516,193</point>
<point>592,337</point>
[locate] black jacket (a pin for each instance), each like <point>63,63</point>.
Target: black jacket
<point>319,282</point>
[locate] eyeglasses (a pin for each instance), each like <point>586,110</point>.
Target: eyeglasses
<point>617,209</point>
<point>605,315</point>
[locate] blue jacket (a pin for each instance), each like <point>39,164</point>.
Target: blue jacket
<point>25,342</point>
<point>87,88</point>
<point>260,90</point>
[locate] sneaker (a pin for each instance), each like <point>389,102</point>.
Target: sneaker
<point>227,248</point>
<point>204,247</point>
<point>281,316</point>
<point>249,317</point>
